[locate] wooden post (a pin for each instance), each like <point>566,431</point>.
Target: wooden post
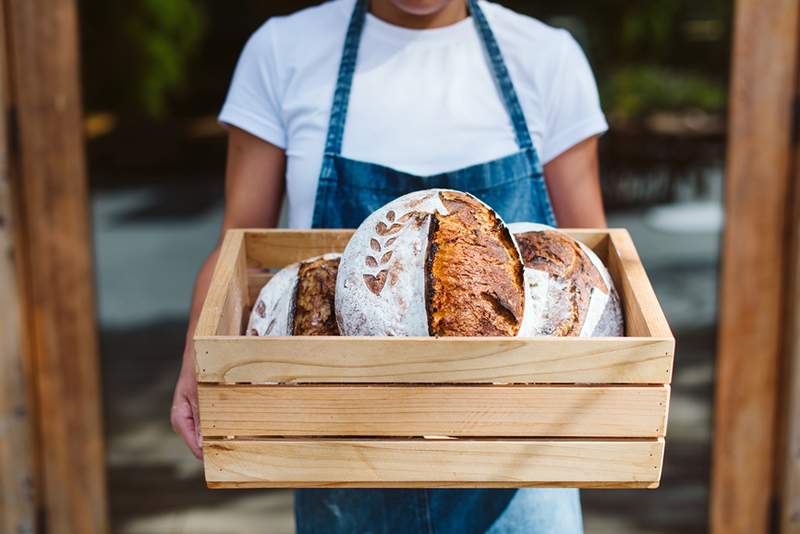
<point>56,278</point>
<point>754,262</point>
<point>17,477</point>
<point>789,479</point>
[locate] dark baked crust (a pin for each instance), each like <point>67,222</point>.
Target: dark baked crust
<point>562,257</point>
<point>474,279</point>
<point>313,313</point>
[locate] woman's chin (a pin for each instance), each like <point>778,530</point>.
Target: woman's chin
<point>420,8</point>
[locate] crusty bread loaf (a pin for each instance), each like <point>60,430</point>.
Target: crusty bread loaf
<point>434,262</point>
<point>298,300</point>
<point>474,280</point>
<point>314,313</point>
<point>569,289</point>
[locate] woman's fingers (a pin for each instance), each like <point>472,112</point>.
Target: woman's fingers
<point>184,423</point>
<point>198,437</point>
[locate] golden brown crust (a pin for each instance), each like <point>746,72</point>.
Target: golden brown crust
<point>474,279</point>
<point>562,257</point>
<point>314,299</point>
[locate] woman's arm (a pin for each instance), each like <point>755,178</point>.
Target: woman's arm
<point>573,180</point>
<point>254,186</point>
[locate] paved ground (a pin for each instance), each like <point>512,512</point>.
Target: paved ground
<point>151,240</point>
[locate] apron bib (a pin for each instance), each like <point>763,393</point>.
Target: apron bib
<point>348,191</point>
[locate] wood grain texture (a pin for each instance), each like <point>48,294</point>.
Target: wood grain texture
<point>255,281</point>
<point>643,313</point>
<point>270,249</point>
<point>222,293</point>
<point>789,472</point>
<point>17,425</point>
<point>50,173</point>
<point>762,92</point>
<point>429,360</point>
<point>461,411</point>
<point>433,463</point>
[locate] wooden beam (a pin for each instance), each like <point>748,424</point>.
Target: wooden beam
<point>789,475</point>
<point>432,463</point>
<point>315,359</point>
<point>754,257</point>
<point>17,474</point>
<point>50,175</point>
<point>457,411</point>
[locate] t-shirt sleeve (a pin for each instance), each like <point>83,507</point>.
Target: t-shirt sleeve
<point>573,113</point>
<point>253,101</point>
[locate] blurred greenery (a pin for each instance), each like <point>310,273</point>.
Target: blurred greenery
<point>136,54</point>
<point>171,58</point>
<point>634,91</point>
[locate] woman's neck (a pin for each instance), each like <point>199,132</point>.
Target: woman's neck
<point>450,13</point>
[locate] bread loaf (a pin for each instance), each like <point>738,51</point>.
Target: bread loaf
<point>569,290</point>
<point>298,300</point>
<point>431,263</point>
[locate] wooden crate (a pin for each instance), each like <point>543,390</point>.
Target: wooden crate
<point>427,412</point>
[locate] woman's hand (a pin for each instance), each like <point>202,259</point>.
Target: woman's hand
<point>184,415</point>
<point>254,186</point>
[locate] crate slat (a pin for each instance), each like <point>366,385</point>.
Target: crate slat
<point>433,463</point>
<point>223,307</point>
<point>428,360</point>
<point>272,249</point>
<point>508,411</point>
<point>643,314</point>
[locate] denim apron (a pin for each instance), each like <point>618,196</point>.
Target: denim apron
<point>347,193</point>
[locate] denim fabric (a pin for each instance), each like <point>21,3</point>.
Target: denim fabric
<point>435,511</point>
<point>348,192</point>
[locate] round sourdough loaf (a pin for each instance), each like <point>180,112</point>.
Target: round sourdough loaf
<point>298,300</point>
<point>569,290</point>
<point>431,263</point>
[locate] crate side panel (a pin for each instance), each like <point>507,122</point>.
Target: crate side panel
<point>463,411</point>
<point>433,462</point>
<point>643,313</point>
<point>270,249</point>
<point>225,279</point>
<point>442,360</point>
<point>275,248</point>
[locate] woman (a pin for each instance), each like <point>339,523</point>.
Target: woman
<point>462,94</point>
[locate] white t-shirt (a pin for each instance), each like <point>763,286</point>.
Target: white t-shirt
<point>422,101</point>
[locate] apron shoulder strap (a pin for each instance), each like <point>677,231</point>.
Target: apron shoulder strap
<point>502,77</point>
<point>347,66</point>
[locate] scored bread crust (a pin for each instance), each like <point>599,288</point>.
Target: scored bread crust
<point>569,290</point>
<point>383,287</point>
<point>298,291</point>
<point>475,284</point>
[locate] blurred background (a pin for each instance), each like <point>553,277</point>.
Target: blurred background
<point>155,73</point>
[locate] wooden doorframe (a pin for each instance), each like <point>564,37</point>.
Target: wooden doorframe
<point>757,303</point>
<point>58,485</point>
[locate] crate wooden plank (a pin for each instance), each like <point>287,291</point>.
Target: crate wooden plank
<point>255,281</point>
<point>643,313</point>
<point>269,249</point>
<point>222,296</point>
<point>428,360</point>
<point>433,463</point>
<point>508,411</point>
